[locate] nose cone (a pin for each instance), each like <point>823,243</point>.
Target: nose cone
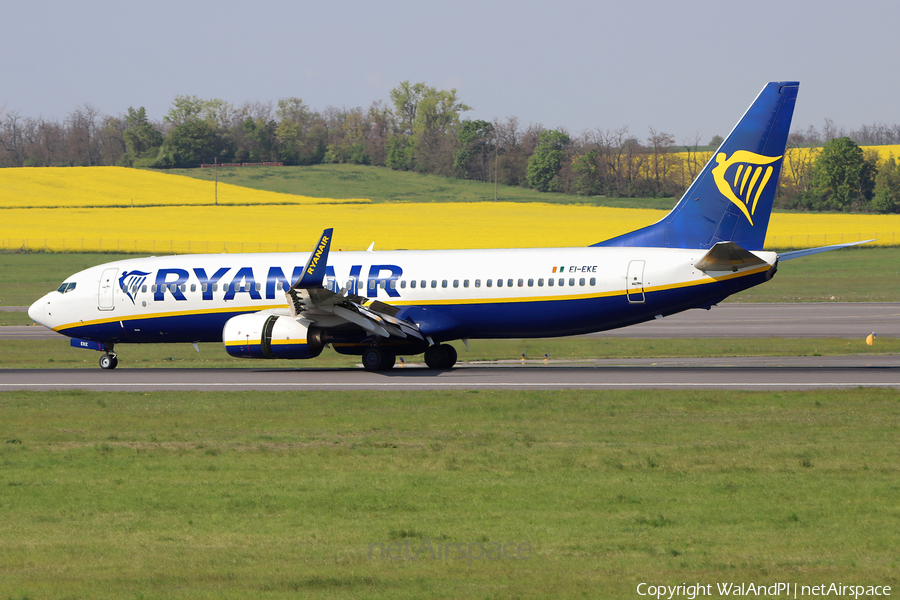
<point>37,313</point>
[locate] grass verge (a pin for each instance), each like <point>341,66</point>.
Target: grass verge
<point>236,495</point>
<point>380,184</point>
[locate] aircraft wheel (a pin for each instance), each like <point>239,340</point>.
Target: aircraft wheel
<point>378,359</point>
<point>442,356</point>
<point>108,361</point>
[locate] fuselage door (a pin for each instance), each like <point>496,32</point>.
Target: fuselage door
<point>634,281</point>
<point>105,293</point>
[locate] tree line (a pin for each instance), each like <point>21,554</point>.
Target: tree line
<point>422,129</point>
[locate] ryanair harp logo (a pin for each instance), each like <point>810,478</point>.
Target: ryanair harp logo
<point>743,177</point>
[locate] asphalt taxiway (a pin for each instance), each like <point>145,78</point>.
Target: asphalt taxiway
<point>754,373</point>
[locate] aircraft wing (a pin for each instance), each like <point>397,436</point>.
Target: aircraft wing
<point>307,298</point>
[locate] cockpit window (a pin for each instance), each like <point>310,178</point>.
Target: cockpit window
<point>67,286</point>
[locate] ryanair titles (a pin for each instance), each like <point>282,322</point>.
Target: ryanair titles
<point>323,243</point>
<point>243,280</point>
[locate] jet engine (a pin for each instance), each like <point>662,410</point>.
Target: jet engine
<point>260,335</point>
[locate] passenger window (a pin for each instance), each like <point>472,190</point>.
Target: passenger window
<point>489,281</point>
<point>593,281</point>
<point>393,284</point>
<point>215,287</point>
<point>456,283</point>
<point>422,283</point>
<point>499,283</point>
<point>381,284</point>
<point>193,287</point>
<point>478,283</point>
<point>434,283</point>
<point>371,284</point>
<point>550,282</point>
<point>412,284</point>
<point>509,282</point>
<point>144,288</point>
<point>541,282</point>
<point>444,283</point>
<point>531,283</point>
<point>153,288</point>
<point>258,286</point>
<point>571,281</point>
<point>581,282</point>
<point>205,286</point>
<point>465,283</point>
<point>521,283</point>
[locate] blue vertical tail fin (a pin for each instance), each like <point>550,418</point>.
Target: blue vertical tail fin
<point>731,200</point>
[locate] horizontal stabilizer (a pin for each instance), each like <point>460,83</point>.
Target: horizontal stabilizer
<point>728,256</point>
<point>811,251</point>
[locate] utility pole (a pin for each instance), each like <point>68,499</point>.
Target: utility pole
<point>495,171</point>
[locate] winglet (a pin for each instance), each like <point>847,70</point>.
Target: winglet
<point>314,271</point>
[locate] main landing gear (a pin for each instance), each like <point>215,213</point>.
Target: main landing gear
<point>376,358</point>
<point>442,356</point>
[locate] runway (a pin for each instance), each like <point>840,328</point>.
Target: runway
<point>779,373</point>
<point>847,320</point>
<point>794,320</point>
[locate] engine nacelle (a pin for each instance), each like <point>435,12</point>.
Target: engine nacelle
<point>270,336</point>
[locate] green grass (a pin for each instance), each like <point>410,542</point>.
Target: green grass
<point>850,275</point>
<point>240,495</point>
<point>380,184</point>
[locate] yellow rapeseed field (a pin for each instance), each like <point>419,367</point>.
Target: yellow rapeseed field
<point>267,225</point>
<point>271,228</point>
<point>118,186</point>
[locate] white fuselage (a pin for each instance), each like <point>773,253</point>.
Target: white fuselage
<point>452,293</point>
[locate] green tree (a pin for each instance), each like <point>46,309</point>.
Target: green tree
<point>589,180</point>
<point>887,188</point>
<point>426,117</point>
<point>300,134</point>
<point>189,144</point>
<point>140,136</point>
<point>843,178</point>
<point>475,139</point>
<point>545,163</point>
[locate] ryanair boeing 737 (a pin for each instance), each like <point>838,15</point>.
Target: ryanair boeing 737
<point>381,304</point>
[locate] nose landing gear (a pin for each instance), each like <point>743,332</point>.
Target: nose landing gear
<point>109,359</point>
